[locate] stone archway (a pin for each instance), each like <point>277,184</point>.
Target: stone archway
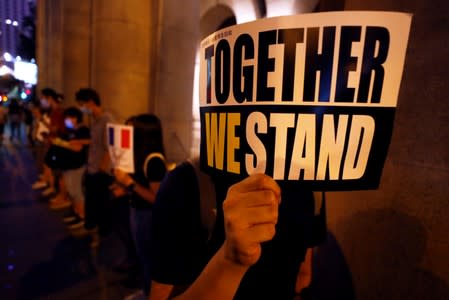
<point>214,18</point>
<point>217,17</point>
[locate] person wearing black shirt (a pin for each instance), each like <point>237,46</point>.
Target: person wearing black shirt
<point>253,250</point>
<point>143,185</point>
<point>76,159</point>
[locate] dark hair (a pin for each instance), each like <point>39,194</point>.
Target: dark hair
<point>147,139</point>
<point>87,94</point>
<point>75,113</point>
<point>148,132</point>
<point>48,92</point>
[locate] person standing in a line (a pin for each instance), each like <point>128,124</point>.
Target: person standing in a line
<point>98,176</point>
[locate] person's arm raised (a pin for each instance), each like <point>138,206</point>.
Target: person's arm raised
<point>250,215</point>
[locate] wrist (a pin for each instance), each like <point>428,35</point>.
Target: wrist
<point>131,185</point>
<point>230,259</point>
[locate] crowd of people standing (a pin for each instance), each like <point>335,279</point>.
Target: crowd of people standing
<point>176,242</point>
<point>76,176</point>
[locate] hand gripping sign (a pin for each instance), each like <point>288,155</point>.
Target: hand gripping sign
<point>307,99</point>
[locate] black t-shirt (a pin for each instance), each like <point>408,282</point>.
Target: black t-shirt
<point>77,159</point>
<point>154,172</point>
<point>155,169</point>
<point>181,247</point>
<point>80,133</point>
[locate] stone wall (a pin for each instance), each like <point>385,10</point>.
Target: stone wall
<point>395,239</point>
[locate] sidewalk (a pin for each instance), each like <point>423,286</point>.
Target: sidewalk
<point>38,257</point>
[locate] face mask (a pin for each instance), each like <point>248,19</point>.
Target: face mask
<point>44,103</point>
<point>69,124</point>
<point>86,110</point>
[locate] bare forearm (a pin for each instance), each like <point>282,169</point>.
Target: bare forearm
<point>83,142</point>
<point>75,147</point>
<point>147,194</point>
<point>219,280</point>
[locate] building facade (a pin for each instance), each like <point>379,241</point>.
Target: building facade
<point>12,13</point>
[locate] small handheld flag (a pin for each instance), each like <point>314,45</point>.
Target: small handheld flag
<point>120,146</point>
<point>119,137</point>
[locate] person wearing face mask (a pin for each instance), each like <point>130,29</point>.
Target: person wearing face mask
<point>98,171</point>
<point>50,103</point>
<point>77,159</point>
<point>50,100</point>
<point>39,133</point>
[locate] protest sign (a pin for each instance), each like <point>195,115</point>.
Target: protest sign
<point>308,99</point>
<point>120,146</point>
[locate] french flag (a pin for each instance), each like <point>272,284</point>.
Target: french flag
<point>120,137</point>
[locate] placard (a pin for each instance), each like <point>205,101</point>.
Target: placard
<point>307,99</point>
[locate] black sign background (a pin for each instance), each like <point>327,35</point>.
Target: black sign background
<point>383,117</point>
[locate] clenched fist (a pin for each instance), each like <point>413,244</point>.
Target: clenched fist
<point>250,215</point>
<point>122,177</point>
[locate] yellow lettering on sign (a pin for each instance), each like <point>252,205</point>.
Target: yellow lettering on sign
<point>233,143</point>
<point>215,139</point>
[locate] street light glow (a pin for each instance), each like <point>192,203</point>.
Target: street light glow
<point>7,57</point>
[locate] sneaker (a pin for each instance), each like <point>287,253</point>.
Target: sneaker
<point>48,191</point>
<point>80,232</point>
<point>60,204</point>
<point>56,199</point>
<point>69,218</point>
<point>40,184</point>
<point>139,295</point>
<point>75,224</point>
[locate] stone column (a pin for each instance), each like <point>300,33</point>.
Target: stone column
<point>50,20</point>
<point>179,37</point>
<point>120,55</point>
<point>77,47</point>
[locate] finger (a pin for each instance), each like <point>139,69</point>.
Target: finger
<point>260,233</point>
<point>239,201</point>
<point>257,182</point>
<point>260,215</point>
<point>259,198</point>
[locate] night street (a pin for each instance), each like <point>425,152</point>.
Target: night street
<point>39,259</point>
